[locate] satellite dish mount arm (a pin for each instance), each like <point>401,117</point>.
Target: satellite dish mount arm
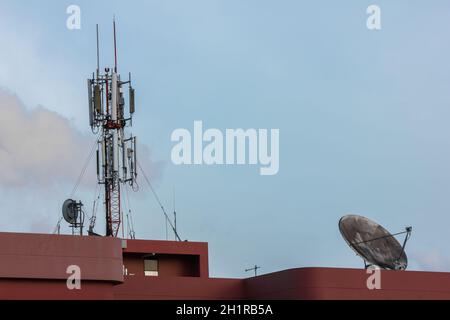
<point>408,231</point>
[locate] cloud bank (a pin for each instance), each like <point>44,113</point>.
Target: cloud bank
<point>41,155</point>
<point>38,146</point>
<point>41,147</point>
<point>432,260</point>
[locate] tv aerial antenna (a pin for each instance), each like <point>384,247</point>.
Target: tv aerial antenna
<point>373,243</point>
<point>255,269</point>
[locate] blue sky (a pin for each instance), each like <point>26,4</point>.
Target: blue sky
<point>363,117</point>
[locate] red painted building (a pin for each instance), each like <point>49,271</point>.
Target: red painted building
<point>34,266</point>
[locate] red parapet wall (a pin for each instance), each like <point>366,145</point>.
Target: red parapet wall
<point>174,248</point>
<point>27,289</point>
<point>176,288</point>
<point>347,284</point>
<point>34,266</point>
<point>40,256</point>
<point>293,284</point>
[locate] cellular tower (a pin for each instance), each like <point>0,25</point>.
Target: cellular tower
<point>111,102</point>
<point>109,116</point>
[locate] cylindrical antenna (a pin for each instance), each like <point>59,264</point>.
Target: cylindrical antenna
<point>98,164</point>
<point>135,157</point>
<point>115,44</point>
<point>124,163</point>
<point>131,95</point>
<point>98,55</point>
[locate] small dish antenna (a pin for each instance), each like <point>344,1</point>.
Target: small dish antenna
<point>373,243</point>
<point>72,212</point>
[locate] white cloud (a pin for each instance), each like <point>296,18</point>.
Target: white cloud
<point>41,156</point>
<point>38,146</point>
<point>432,260</point>
<point>41,146</point>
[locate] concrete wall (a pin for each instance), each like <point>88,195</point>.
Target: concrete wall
<point>337,283</point>
<point>33,266</point>
<point>173,288</point>
<point>27,289</point>
<point>169,265</point>
<point>43,256</point>
<point>168,250</point>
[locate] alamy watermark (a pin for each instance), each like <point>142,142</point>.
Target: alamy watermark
<point>374,280</point>
<point>74,280</point>
<point>235,147</point>
<point>73,21</point>
<point>374,20</point>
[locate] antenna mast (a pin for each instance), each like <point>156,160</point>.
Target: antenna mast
<point>255,269</point>
<point>116,151</point>
<point>174,215</point>
<point>98,54</point>
<point>115,44</point>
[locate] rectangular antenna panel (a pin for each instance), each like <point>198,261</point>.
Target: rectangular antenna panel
<point>91,110</point>
<point>131,100</point>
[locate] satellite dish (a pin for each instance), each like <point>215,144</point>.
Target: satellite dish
<point>70,211</point>
<point>374,243</point>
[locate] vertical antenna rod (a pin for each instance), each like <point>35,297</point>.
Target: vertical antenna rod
<point>255,269</point>
<point>175,214</point>
<point>115,45</point>
<point>98,55</point>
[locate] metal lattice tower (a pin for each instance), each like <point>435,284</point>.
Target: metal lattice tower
<point>116,152</point>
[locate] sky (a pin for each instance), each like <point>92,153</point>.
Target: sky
<point>363,119</point>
